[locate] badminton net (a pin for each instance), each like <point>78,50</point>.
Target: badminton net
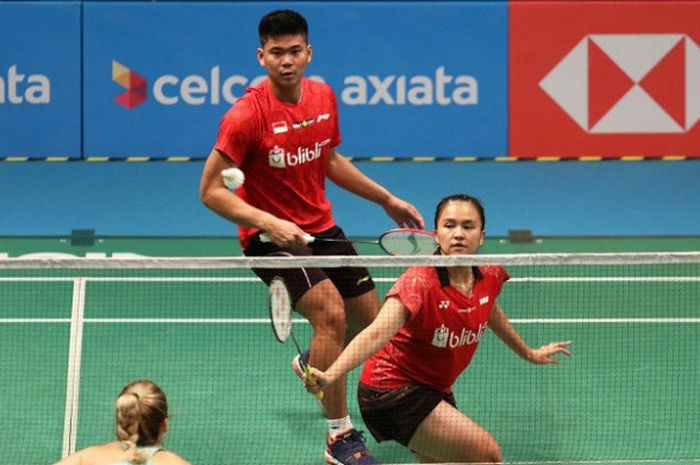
<point>74,331</point>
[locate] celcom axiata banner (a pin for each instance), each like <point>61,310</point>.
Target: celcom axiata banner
<point>40,79</point>
<point>159,76</point>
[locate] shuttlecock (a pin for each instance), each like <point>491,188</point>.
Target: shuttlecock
<point>233,177</point>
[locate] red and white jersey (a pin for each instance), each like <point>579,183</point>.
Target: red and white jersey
<point>283,151</point>
<point>441,333</point>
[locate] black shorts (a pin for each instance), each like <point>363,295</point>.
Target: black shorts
<point>397,413</point>
<point>350,281</point>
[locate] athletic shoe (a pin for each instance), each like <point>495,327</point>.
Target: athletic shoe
<point>348,449</point>
<point>298,364</point>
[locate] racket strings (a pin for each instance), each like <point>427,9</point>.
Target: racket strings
<point>408,243</point>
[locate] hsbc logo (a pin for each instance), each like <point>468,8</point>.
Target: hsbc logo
<point>629,83</point>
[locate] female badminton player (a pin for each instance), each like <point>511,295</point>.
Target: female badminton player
<point>424,337</point>
<point>142,420</point>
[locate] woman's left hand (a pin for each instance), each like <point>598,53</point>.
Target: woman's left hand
<point>544,354</point>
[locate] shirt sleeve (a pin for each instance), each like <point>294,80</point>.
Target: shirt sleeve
<point>337,139</point>
<point>237,132</point>
<point>502,274</point>
<point>410,290</point>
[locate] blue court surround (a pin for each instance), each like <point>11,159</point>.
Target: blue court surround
<point>561,198</point>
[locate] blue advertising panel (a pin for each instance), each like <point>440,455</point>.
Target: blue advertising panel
<point>411,79</point>
<point>39,79</point>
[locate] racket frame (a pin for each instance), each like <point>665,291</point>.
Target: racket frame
<point>264,237</point>
<point>277,284</point>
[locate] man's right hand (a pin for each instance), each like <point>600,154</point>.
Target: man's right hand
<point>285,233</point>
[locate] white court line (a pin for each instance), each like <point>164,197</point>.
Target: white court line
<point>660,461</point>
<point>513,320</point>
<point>524,321</point>
<point>609,279</point>
<point>35,320</point>
<point>70,422</point>
<point>562,279</point>
<point>583,462</point>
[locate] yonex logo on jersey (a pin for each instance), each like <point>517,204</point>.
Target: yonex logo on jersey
<point>484,300</point>
<point>444,304</point>
<point>629,83</point>
<point>134,83</point>
<point>443,337</point>
<point>323,116</point>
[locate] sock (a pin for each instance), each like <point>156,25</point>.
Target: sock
<point>339,425</point>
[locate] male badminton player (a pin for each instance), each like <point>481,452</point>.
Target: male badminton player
<point>424,337</point>
<point>283,135</point>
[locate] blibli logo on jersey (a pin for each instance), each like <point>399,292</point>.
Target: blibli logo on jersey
<point>443,337</point>
<point>276,157</point>
<point>440,336</point>
<point>279,159</point>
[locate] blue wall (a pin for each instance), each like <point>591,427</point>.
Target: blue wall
<point>459,78</point>
<point>564,198</point>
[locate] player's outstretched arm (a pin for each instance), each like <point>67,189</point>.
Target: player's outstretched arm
<point>499,324</point>
<point>349,177</point>
<point>387,323</point>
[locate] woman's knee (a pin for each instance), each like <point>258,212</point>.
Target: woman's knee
<point>492,452</point>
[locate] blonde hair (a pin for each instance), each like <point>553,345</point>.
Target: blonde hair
<point>141,409</point>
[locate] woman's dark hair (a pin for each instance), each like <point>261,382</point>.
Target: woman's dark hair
<point>282,23</point>
<point>460,198</point>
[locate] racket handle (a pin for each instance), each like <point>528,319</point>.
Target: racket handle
<point>312,379</point>
<point>265,237</point>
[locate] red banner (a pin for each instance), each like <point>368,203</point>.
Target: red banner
<point>605,79</point>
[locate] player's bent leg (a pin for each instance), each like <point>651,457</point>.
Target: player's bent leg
<point>424,458</point>
<point>323,307</point>
<point>448,435</point>
<point>360,311</point>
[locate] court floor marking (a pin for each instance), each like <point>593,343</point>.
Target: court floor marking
<point>78,320</point>
<point>586,462</point>
<point>524,321</point>
<point>70,423</point>
<point>563,279</point>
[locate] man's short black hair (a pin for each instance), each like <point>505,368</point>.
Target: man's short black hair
<point>282,23</point>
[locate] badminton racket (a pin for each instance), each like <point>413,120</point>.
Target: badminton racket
<point>281,319</point>
<point>398,241</point>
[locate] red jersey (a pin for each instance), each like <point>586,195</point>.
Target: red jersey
<point>441,333</point>
<point>283,151</point>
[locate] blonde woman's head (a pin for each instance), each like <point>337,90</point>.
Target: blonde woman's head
<point>141,414</point>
